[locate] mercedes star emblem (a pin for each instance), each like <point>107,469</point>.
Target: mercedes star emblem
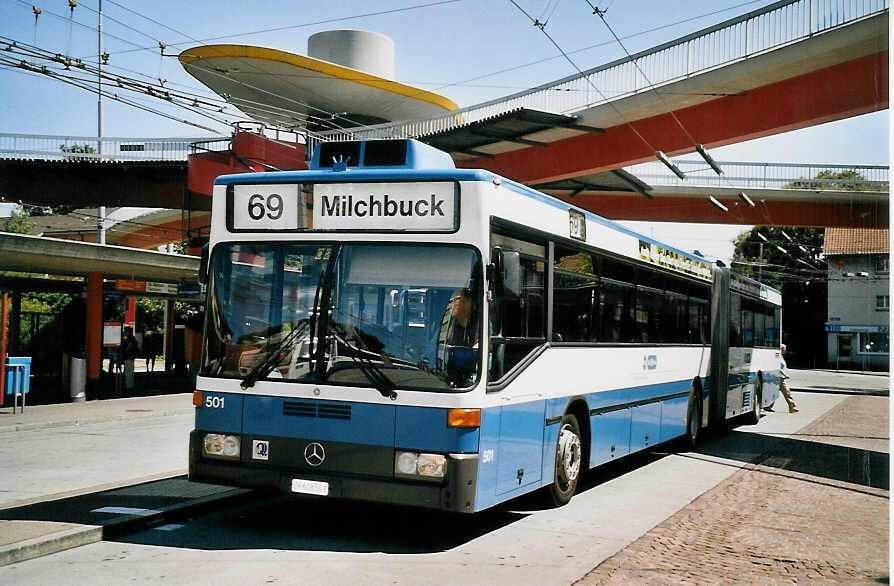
<point>314,454</point>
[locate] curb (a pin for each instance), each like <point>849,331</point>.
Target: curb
<point>867,392</point>
<point>47,544</point>
<point>37,425</point>
<point>87,534</point>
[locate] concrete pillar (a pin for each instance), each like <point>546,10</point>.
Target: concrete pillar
<point>15,323</point>
<point>94,326</point>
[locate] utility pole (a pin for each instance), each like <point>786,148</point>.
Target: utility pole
<point>101,211</point>
<point>760,262</point>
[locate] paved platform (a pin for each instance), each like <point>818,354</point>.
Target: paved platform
<point>840,381</point>
<point>73,414</point>
<point>813,509</point>
<point>75,473</point>
<point>79,472</point>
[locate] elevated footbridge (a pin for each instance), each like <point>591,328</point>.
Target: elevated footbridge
<point>776,194</point>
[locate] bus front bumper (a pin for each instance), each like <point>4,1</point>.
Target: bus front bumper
<point>457,494</point>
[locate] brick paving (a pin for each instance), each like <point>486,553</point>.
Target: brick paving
<point>812,510</point>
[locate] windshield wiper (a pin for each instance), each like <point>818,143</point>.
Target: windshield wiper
<point>374,374</point>
<point>320,314</point>
<point>273,356</point>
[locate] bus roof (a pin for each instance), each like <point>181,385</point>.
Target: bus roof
<point>411,160</point>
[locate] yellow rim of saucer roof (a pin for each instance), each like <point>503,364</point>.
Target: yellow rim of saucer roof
<point>193,56</point>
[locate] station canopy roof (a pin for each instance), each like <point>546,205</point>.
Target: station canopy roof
<point>524,127</point>
<point>33,254</point>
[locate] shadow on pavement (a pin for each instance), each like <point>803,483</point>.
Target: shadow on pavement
<point>83,508</point>
<point>302,523</point>
<point>293,522</point>
<point>828,461</point>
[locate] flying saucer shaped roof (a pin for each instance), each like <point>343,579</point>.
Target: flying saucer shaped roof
<point>285,89</point>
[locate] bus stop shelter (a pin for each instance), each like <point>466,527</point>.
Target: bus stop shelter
<point>97,263</point>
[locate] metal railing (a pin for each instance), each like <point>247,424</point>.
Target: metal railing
<point>737,39</point>
<point>744,175</point>
<point>86,148</point>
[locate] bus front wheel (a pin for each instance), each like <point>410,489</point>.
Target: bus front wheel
<point>568,461</point>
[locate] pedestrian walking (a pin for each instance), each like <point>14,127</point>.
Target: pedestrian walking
<point>783,386</point>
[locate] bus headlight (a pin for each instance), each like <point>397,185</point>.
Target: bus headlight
<point>405,463</point>
<point>420,466</point>
<point>221,446</point>
<point>431,465</point>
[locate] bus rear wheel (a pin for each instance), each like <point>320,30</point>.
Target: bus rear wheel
<point>755,416</point>
<point>693,424</point>
<point>568,461</point>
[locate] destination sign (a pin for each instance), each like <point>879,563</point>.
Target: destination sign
<point>404,207</point>
<point>266,207</point>
<point>670,259</point>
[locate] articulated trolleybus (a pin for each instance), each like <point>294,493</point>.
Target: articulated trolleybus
<point>390,328</point>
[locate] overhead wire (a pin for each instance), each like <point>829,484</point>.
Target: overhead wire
<point>80,63</point>
<point>333,115</point>
<point>309,24</point>
<point>82,25</point>
<point>696,144</point>
<point>587,78</point>
<point>114,96</point>
<point>67,63</point>
<point>601,14</point>
<point>596,45</point>
<point>92,216</point>
<point>330,115</point>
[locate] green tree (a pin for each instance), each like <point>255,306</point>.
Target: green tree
<point>19,221</point>
<point>777,256</point>
<point>77,148</point>
<point>848,180</point>
<point>45,302</point>
<point>151,313</point>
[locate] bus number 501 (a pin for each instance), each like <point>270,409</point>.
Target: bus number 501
<point>258,207</point>
<point>214,402</point>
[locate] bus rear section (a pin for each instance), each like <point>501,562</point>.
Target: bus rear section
<point>745,355</point>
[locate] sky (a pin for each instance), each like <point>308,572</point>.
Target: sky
<point>453,48</point>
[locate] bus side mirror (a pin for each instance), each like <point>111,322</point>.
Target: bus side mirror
<point>203,265</point>
<point>506,274</point>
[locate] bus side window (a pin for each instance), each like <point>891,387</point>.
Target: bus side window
<point>735,320</point>
<point>676,307</point>
<point>617,305</point>
<point>699,314</point>
<point>521,324</point>
<point>575,296</point>
<point>524,317</point>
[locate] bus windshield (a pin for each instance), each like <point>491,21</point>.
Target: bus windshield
<point>390,316</point>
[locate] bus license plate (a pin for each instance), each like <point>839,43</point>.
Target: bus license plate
<point>310,487</point>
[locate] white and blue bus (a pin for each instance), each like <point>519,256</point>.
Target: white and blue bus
<point>387,327</point>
